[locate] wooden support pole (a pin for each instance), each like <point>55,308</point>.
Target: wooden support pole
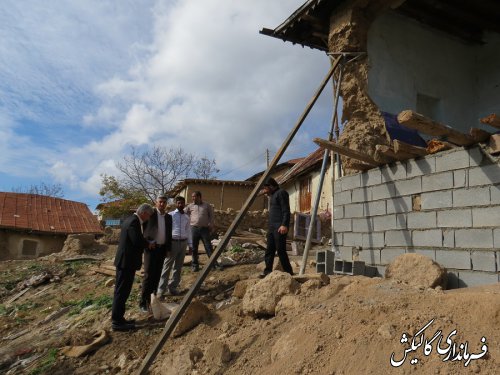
<point>400,146</point>
<point>350,153</point>
<point>177,314</point>
<point>425,125</point>
<point>492,120</point>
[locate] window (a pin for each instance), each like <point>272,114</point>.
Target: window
<point>301,226</point>
<point>305,195</point>
<point>29,248</point>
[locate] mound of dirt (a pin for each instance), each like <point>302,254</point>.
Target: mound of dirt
<point>417,270</point>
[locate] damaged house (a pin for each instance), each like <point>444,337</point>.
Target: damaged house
<point>432,66</point>
<point>34,225</point>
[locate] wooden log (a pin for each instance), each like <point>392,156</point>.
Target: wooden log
<point>359,166</point>
<point>492,120</point>
<point>479,135</point>
<point>425,125</point>
<point>389,152</point>
<point>400,146</point>
<point>345,151</point>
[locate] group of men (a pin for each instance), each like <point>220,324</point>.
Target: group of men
<point>163,238</point>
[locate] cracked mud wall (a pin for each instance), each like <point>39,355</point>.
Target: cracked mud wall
<point>349,33</point>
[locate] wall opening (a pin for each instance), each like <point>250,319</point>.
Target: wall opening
<point>29,248</point>
<point>429,106</point>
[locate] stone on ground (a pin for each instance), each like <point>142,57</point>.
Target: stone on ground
<point>417,270</point>
<point>194,315</point>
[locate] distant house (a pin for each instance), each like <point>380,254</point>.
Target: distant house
<point>277,171</point>
<point>221,194</point>
<point>33,225</point>
<point>111,220</point>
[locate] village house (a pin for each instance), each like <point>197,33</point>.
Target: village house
<point>432,66</point>
<point>34,225</point>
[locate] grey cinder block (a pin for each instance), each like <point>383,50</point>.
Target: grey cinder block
<point>374,208</point>
<point>455,159</point>
<point>408,187</point>
<point>469,278</point>
<point>371,177</point>
<point>363,194</point>
<point>398,238</point>
<point>484,175</point>
<point>398,205</point>
<point>454,218</point>
<point>484,261</point>
<point>387,255</point>
<point>471,197</point>
<point>393,172</point>
<point>351,182</point>
<point>431,237</point>
<point>421,167</point>
<point>421,220</point>
<point>370,256</point>
<point>458,259</point>
<point>438,199</point>
<point>362,225</point>
<point>353,210</point>
<point>383,191</point>
<point>486,217</point>
<point>439,181</point>
<point>343,197</point>
<point>373,239</point>
<point>342,225</point>
<point>474,238</point>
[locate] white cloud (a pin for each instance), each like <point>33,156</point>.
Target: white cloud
<point>206,81</point>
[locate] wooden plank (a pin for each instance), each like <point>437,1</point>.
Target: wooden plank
<point>400,146</point>
<point>425,125</point>
<point>345,151</point>
<point>479,135</point>
<point>389,152</point>
<point>359,166</point>
<point>494,144</point>
<point>22,292</point>
<point>492,120</point>
<point>435,146</point>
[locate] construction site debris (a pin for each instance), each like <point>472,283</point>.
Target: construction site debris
<point>261,299</point>
<point>101,338</point>
<point>400,146</point>
<point>428,126</point>
<point>196,313</point>
<point>492,120</point>
<point>345,151</point>
<point>417,270</point>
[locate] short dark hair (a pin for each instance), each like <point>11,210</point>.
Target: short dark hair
<point>270,182</point>
<point>179,198</point>
<point>197,193</point>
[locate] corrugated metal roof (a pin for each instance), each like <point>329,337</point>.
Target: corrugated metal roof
<point>303,166</point>
<point>40,213</point>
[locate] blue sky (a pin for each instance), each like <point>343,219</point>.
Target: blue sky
<point>83,81</point>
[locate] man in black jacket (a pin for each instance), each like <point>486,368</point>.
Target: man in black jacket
<point>158,232</point>
<point>279,222</point>
<point>128,259</point>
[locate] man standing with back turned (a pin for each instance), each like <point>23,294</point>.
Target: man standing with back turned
<point>128,259</point>
<point>202,217</point>
<point>279,222</point>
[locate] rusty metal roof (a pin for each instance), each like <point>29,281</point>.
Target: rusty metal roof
<point>41,213</point>
<point>305,165</point>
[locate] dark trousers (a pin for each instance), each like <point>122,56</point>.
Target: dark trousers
<point>276,242</point>
<point>123,287</point>
<point>153,264</point>
<point>202,233</point>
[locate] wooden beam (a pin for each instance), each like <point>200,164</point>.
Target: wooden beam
<point>359,166</point>
<point>492,120</point>
<point>434,146</point>
<point>345,151</point>
<point>425,125</point>
<point>389,152</point>
<point>494,144</point>
<point>400,146</point>
<point>479,135</point>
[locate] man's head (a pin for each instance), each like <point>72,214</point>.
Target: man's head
<point>180,202</point>
<point>161,203</point>
<point>270,186</point>
<point>145,211</point>
<point>196,197</point>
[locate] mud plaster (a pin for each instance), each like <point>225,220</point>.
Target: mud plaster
<point>365,127</point>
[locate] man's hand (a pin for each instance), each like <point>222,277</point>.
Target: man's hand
<point>282,230</point>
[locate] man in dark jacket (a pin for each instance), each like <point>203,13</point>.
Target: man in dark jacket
<point>128,259</point>
<point>158,232</point>
<point>279,222</point>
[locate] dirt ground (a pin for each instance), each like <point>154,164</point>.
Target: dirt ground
<point>353,325</point>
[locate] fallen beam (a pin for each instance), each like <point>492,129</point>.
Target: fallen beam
<point>345,151</point>
<point>479,135</point>
<point>425,125</point>
<point>434,146</point>
<point>389,152</point>
<point>494,144</point>
<point>360,166</point>
<point>400,146</point>
<point>491,120</point>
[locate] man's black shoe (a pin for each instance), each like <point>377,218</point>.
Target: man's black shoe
<point>143,307</point>
<point>122,327</point>
<point>195,268</point>
<point>174,291</point>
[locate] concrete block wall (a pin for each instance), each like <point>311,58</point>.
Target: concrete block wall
<point>445,206</point>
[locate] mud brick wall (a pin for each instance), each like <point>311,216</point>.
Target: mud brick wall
<point>445,206</point>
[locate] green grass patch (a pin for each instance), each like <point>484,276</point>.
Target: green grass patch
<point>48,361</point>
<point>236,249</point>
<point>99,302</point>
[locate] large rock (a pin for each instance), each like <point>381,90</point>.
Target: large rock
<point>417,270</point>
<point>196,313</point>
<point>261,299</point>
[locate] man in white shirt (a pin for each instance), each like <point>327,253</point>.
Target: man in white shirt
<point>158,232</point>
<point>181,237</point>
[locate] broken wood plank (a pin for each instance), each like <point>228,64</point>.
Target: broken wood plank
<point>389,152</point>
<point>359,166</point>
<point>22,292</point>
<point>491,120</point>
<point>479,135</point>
<point>325,280</point>
<point>345,151</point>
<point>103,271</point>
<point>494,144</point>
<point>425,125</point>
<point>400,146</point>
